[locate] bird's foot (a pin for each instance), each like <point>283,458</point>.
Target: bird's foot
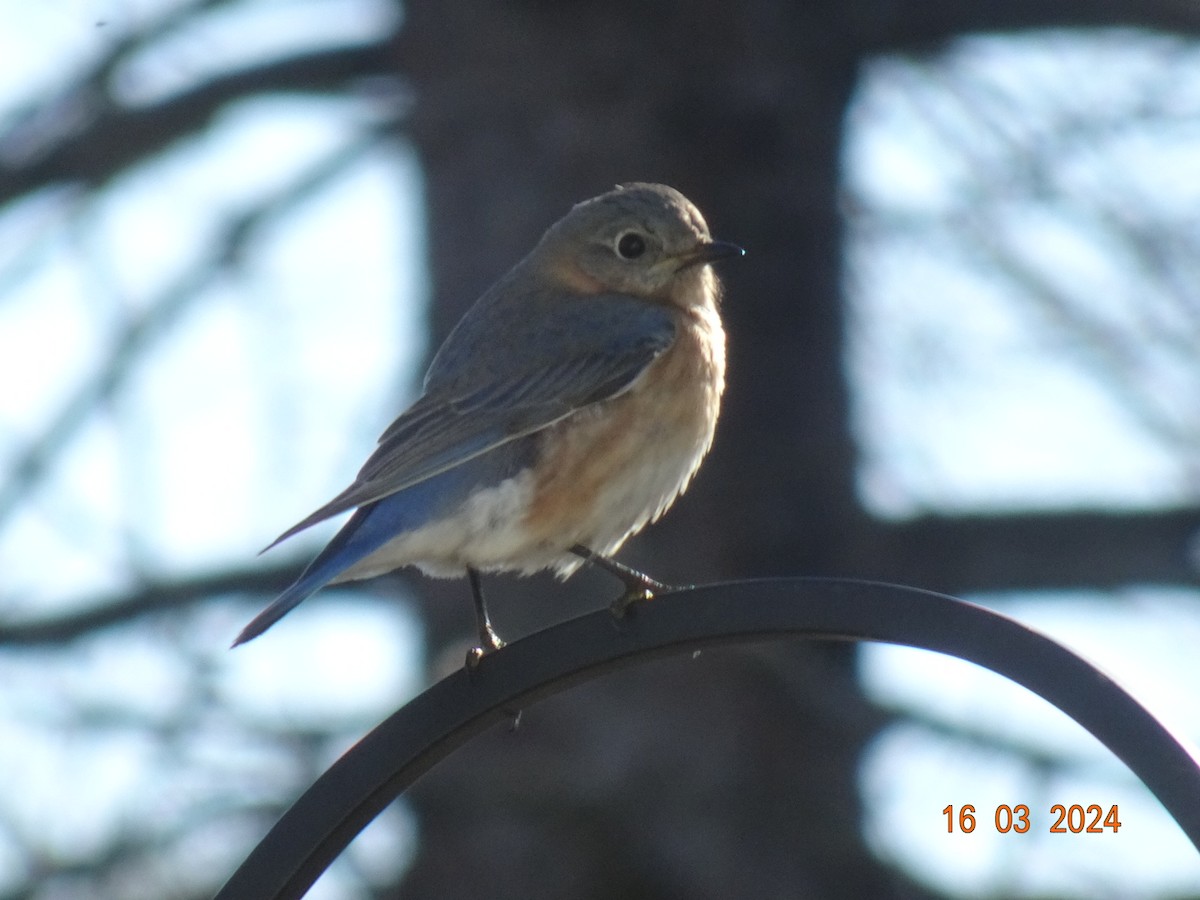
<point>639,587</point>
<point>489,642</point>
<point>622,605</point>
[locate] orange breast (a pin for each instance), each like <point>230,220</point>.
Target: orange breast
<point>609,468</point>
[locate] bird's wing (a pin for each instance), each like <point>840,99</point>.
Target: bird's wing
<point>577,352</point>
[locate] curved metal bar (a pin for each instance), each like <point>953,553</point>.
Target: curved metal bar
<point>411,741</point>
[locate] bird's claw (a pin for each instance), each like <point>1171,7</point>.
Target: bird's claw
<point>621,606</point>
<point>489,642</point>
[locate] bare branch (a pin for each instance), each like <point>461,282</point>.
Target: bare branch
<point>891,27</point>
<point>146,599</point>
<point>130,345</point>
<point>111,139</point>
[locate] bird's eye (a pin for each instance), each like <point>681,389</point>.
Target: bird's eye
<point>631,245</point>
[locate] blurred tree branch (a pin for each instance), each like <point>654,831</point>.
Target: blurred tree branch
<point>255,579</point>
<point>136,336</point>
<point>890,27</point>
<point>111,137</point>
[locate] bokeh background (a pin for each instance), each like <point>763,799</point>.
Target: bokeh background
<point>964,355</point>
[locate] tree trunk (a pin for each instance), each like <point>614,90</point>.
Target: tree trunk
<point>734,774</point>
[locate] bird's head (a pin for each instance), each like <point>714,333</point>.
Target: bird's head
<point>643,240</point>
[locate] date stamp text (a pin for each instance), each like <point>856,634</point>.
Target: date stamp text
<point>1062,819</point>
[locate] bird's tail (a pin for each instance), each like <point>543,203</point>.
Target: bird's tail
<point>341,553</point>
<point>280,607</point>
<point>370,528</point>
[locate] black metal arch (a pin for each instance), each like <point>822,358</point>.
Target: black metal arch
<point>411,741</point>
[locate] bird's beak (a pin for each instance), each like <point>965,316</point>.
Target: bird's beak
<point>710,252</point>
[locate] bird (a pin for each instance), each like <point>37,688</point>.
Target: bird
<point>569,407</point>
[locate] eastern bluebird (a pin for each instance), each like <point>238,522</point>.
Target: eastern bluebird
<point>569,407</point>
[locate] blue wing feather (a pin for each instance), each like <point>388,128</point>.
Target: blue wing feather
<point>487,387</point>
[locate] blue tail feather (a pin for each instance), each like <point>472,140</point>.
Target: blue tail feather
<point>375,524</point>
